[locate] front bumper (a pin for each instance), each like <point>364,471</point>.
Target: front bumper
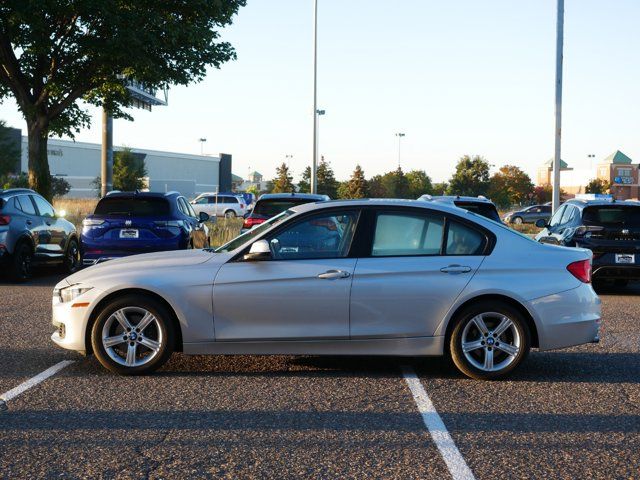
<point>71,319</point>
<point>567,318</point>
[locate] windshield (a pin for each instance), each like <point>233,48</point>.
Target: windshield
<point>272,207</point>
<point>487,210</point>
<point>133,207</point>
<point>612,215</point>
<point>248,236</point>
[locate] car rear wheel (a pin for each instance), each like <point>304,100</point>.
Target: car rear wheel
<point>489,340</point>
<point>517,220</point>
<point>72,259</point>
<point>133,335</point>
<point>22,262</point>
<point>230,214</point>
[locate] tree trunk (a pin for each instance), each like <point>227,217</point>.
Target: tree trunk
<point>39,176</point>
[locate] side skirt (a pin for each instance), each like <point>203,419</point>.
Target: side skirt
<point>410,347</point>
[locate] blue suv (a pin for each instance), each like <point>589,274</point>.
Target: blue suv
<point>128,223</point>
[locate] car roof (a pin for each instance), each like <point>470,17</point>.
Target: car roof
<point>307,196</point>
<point>15,191</point>
<point>600,202</point>
<point>118,194</point>
<point>383,202</point>
<point>454,198</point>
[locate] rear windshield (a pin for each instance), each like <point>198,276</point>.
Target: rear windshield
<point>487,210</point>
<point>271,207</point>
<point>612,215</point>
<point>133,207</point>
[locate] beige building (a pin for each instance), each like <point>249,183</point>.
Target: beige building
<point>622,175</point>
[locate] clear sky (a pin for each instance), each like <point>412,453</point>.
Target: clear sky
<point>458,77</point>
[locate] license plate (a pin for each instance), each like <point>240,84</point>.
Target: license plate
<point>129,233</point>
<point>625,258</point>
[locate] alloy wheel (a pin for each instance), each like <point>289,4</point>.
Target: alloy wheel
<point>490,341</point>
<point>132,336</point>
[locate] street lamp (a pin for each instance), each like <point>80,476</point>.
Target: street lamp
<point>288,159</point>
<point>202,140</point>
<point>399,135</point>
<point>314,163</point>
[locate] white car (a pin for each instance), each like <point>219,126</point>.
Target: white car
<point>220,205</point>
<point>363,277</point>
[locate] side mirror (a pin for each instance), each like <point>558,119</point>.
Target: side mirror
<point>541,223</point>
<point>259,251</point>
<point>203,217</point>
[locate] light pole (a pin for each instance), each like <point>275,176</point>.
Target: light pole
<point>314,163</point>
<point>202,140</point>
<point>591,156</point>
<point>288,159</point>
<point>399,135</point>
<point>556,156</point>
<point>316,144</point>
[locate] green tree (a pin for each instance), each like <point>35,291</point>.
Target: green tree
<point>396,184</point>
<point>419,183</point>
<point>253,189</point>
<point>597,185</point>
<point>327,184</point>
<point>356,186</point>
<point>343,190</point>
<point>510,186</point>
<point>376,187</point>
<point>54,53</point>
<point>440,188</point>
<point>304,186</point>
<point>283,183</point>
<point>59,186</point>
<point>9,151</point>
<point>129,171</point>
<point>470,178</point>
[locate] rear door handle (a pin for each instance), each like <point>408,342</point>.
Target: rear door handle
<point>455,269</point>
<point>329,274</point>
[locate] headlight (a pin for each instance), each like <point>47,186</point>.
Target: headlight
<point>67,294</point>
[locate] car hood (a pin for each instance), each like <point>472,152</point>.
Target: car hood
<point>143,263</point>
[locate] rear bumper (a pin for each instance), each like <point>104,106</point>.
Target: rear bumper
<point>567,318</point>
<point>96,252</point>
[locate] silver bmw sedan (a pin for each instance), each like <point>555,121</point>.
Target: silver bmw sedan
<point>363,277</point>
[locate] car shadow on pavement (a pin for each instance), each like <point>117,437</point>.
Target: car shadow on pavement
<point>42,277</point>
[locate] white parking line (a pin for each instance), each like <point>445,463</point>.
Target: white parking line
<point>33,381</point>
<point>458,468</point>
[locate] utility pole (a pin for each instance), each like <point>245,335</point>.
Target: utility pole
<point>556,157</point>
<point>314,164</point>
<point>106,158</point>
<point>202,140</point>
<point>399,135</point>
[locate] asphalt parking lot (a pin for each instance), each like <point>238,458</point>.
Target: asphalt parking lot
<point>565,414</point>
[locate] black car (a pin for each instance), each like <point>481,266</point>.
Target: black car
<point>271,204</point>
<point>529,214</point>
<point>610,229</point>
<point>31,232</point>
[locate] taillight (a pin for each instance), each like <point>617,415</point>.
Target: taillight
<point>586,231</point>
<point>91,222</point>
<point>242,205</point>
<point>581,270</point>
<point>5,219</point>
<point>251,222</point>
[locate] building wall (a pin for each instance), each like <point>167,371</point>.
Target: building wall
<point>79,164</point>
<point>623,179</point>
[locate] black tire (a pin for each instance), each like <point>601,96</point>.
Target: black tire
<point>517,220</point>
<point>508,338</point>
<point>229,214</point>
<point>163,329</point>
<point>72,258</point>
<point>21,265</point>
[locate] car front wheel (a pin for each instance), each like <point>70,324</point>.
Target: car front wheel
<point>517,220</point>
<point>133,335</point>
<point>489,340</point>
<point>72,258</point>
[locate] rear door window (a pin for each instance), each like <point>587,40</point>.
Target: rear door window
<point>407,234</point>
<point>25,205</point>
<point>134,207</point>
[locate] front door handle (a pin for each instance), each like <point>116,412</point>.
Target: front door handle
<point>455,269</point>
<point>329,274</point>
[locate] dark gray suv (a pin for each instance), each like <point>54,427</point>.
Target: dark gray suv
<point>31,233</point>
